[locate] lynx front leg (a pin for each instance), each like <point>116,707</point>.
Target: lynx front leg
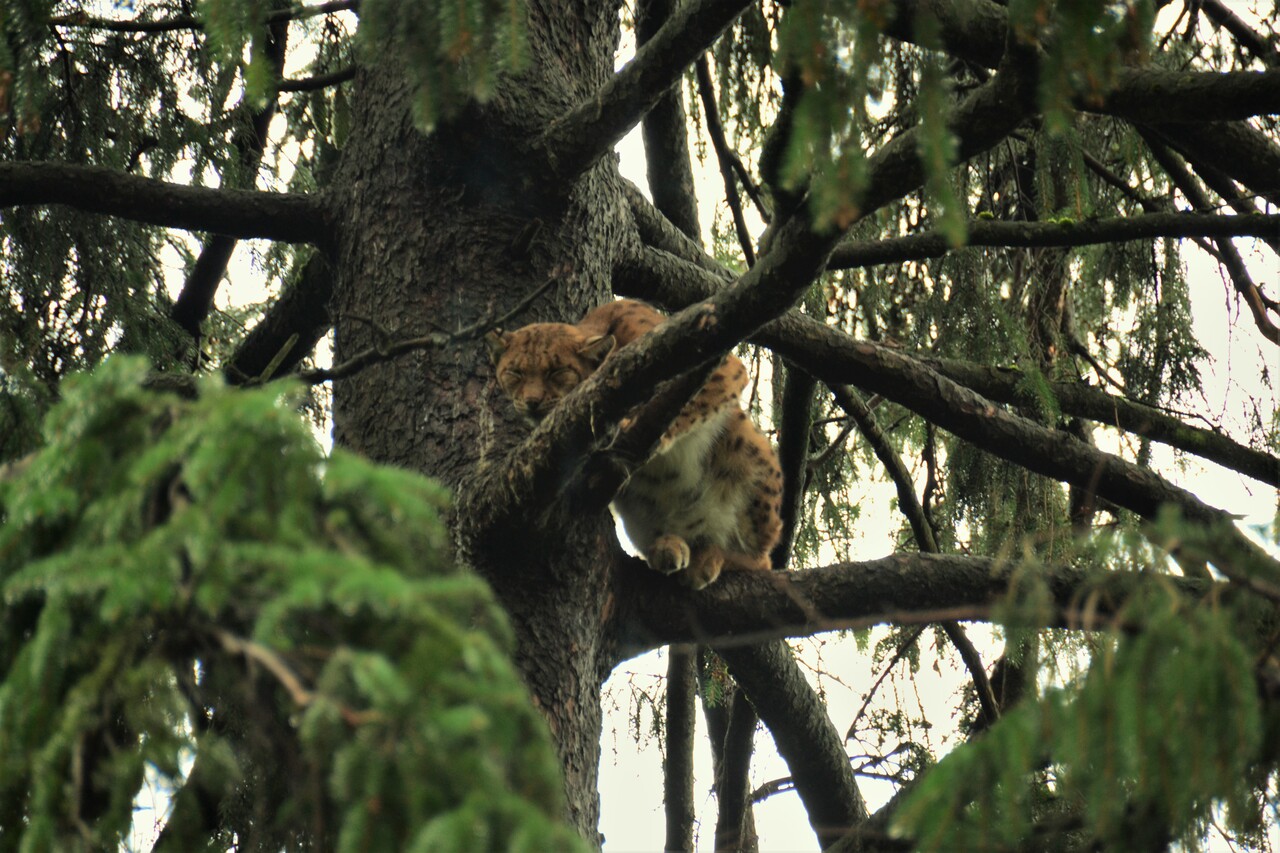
<point>668,554</point>
<point>705,568</point>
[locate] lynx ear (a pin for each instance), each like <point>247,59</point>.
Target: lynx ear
<point>496,340</point>
<point>597,348</point>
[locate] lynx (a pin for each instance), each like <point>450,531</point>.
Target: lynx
<point>708,498</point>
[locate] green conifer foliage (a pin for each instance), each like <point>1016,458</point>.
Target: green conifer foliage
<point>193,587</point>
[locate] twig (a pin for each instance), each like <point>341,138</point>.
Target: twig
<point>897,656</point>
<point>270,661</point>
<point>387,351</point>
<point>723,156</point>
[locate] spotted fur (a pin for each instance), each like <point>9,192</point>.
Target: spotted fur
<point>709,497</point>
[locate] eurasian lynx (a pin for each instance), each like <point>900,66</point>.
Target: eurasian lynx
<point>709,496</point>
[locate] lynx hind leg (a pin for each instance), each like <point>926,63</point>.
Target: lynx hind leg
<point>668,554</point>
<point>722,389</point>
<point>764,513</point>
<point>705,567</point>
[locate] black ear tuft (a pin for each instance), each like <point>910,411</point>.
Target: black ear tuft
<point>496,340</point>
<point>597,348</point>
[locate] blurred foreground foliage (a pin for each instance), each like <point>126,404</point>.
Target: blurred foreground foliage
<point>198,601</point>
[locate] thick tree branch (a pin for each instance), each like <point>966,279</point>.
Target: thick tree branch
<point>743,608</point>
<point>246,214</point>
<point>1246,155</point>
<point>796,421</point>
<point>658,276</point>
<point>317,81</point>
<point>734,819</point>
<point>1004,385</point>
<point>677,763</point>
<point>974,31</point>
<point>834,358</point>
<point>803,733</point>
<point>586,132</point>
<point>983,232</point>
<point>1156,95</point>
<point>666,143</point>
<point>298,320</point>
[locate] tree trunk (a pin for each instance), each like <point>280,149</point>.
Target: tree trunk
<point>445,231</point>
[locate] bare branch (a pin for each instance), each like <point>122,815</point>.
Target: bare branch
<point>926,541</point>
<point>318,81</point>
<point>725,157</point>
<point>290,217</point>
<point>584,134</point>
<point>904,589</point>
<point>387,351</point>
<point>191,22</point>
<point>300,316</point>
<point>1255,43</point>
<point>984,232</point>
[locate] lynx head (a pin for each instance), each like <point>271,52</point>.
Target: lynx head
<point>540,363</point>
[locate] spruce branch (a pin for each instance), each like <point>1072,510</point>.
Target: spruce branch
<point>290,217</point>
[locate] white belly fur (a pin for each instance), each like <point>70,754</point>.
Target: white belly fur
<point>673,494</point>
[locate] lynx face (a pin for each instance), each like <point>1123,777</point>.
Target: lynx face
<point>538,364</point>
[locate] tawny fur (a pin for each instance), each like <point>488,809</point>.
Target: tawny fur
<point>709,497</point>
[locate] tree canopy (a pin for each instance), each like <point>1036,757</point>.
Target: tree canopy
<point>962,243</point>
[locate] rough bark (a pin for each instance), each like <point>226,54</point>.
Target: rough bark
<point>443,230</point>
<point>750,608</point>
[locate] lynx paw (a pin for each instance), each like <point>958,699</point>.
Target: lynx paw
<point>704,569</point>
<point>669,554</point>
